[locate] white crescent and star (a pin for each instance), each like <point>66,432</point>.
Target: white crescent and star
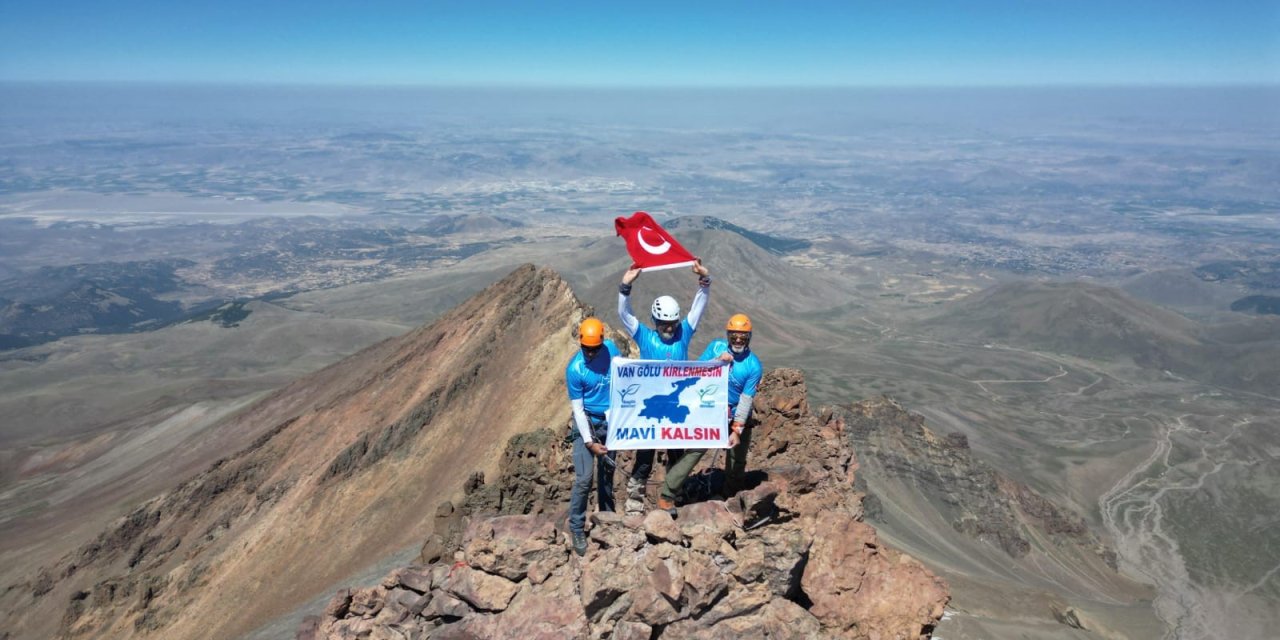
<point>655,249</point>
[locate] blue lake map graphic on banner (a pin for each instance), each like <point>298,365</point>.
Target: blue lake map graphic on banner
<point>668,407</point>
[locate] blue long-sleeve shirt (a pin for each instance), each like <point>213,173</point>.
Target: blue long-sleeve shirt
<point>652,346</point>
<point>744,376</point>
<point>588,384</point>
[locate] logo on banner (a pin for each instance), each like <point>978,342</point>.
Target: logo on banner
<point>626,395</point>
<point>707,396</point>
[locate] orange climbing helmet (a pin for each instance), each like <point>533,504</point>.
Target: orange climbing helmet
<point>738,322</point>
<point>591,332</point>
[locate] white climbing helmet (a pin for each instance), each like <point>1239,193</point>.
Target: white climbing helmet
<point>665,308</point>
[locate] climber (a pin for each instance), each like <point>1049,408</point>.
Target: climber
<point>744,376</point>
<point>587,379</point>
<point>668,340</point>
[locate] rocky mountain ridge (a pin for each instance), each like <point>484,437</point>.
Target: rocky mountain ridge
<point>790,557</point>
<point>986,532</point>
<point>346,469</point>
<point>982,502</point>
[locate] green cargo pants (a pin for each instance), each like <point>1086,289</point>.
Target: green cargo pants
<point>678,471</point>
<point>735,463</point>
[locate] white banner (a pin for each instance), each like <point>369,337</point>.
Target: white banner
<point>669,404</point>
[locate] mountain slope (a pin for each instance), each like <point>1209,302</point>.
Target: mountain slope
<point>1072,317</point>
<point>1101,322</point>
<point>988,532</point>
<point>352,464</point>
<point>772,244</point>
<point>747,279</point>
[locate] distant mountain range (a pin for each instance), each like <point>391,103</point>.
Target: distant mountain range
<point>1102,322</point>
<point>773,244</point>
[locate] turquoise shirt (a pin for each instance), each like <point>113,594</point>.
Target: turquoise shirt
<point>589,381</point>
<point>653,347</point>
<point>744,371</point>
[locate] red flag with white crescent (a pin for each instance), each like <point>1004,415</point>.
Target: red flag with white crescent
<point>650,246</point>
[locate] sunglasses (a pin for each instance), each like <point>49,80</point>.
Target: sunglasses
<point>739,336</point>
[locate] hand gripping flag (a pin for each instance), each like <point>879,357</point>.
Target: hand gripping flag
<point>650,246</point>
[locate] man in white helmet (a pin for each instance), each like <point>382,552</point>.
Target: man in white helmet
<point>667,340</point>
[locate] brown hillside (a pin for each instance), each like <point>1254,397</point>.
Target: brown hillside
<point>353,462</point>
<point>1010,550</point>
<point>1102,322</point>
<point>747,279</point>
<point>1073,317</point>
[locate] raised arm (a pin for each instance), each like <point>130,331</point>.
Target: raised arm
<point>700,296</point>
<point>625,314</point>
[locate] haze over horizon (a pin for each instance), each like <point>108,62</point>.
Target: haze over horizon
<point>578,44</point>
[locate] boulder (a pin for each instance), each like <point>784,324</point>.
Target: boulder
<point>415,577</point>
<point>660,527</point>
<point>705,524</point>
<point>483,591</point>
<point>653,608</point>
<point>630,630</point>
<point>781,619</point>
<point>705,582</point>
<point>617,536</point>
<point>610,574</point>
<point>858,589</point>
<point>367,602</point>
<point>443,605</point>
<point>509,545</point>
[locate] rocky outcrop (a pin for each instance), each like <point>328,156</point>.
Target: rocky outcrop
<point>979,501</point>
<point>788,557</point>
<point>534,477</point>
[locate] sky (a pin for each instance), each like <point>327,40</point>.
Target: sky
<point>641,44</point>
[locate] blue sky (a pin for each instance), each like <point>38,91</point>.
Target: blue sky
<point>587,44</point>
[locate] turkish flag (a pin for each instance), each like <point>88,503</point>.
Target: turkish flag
<point>650,246</point>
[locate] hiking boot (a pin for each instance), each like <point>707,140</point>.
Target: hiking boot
<point>633,508</point>
<point>635,498</point>
<point>635,489</point>
<point>667,504</point>
<point>580,544</point>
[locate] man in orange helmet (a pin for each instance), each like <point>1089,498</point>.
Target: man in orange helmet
<point>745,371</point>
<point>587,379</point>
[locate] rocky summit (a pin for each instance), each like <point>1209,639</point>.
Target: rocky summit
<point>788,557</point>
